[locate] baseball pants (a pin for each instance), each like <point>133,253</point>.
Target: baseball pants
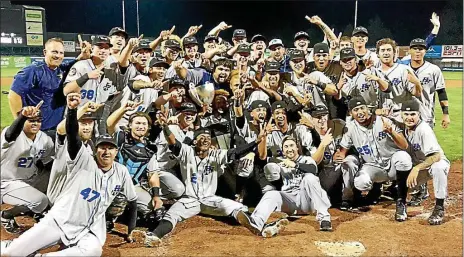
<point>214,205</point>
<point>438,172</point>
<point>308,198</point>
<point>348,168</point>
<point>45,234</point>
<point>370,173</point>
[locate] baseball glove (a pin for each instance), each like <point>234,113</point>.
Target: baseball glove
<point>117,207</point>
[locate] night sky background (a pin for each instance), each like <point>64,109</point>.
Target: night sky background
<point>402,20</point>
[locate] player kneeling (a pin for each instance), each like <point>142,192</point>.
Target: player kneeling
<point>301,191</point>
<point>77,219</point>
<point>431,162</point>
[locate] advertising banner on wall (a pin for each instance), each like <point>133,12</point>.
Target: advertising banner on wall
<point>69,46</point>
<point>451,51</point>
<point>14,61</point>
<point>434,52</point>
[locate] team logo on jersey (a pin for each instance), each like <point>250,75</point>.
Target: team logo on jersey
<point>39,154</point>
<point>107,86</point>
<point>208,169</point>
<point>364,87</point>
<point>396,81</point>
<point>72,72</point>
<point>426,80</point>
<point>382,135</point>
<point>416,147</point>
<point>116,190</point>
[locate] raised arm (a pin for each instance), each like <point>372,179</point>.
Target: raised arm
<point>327,31</point>
<point>87,107</point>
<point>72,127</point>
<point>116,116</point>
<point>16,127</point>
<point>127,51</point>
<point>164,35</point>
<point>75,86</point>
<point>220,27</point>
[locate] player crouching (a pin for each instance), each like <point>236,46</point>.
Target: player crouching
<point>430,160</point>
<point>301,192</point>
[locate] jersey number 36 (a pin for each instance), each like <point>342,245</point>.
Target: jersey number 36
<point>86,193</point>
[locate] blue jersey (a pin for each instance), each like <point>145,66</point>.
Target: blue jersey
<point>38,82</point>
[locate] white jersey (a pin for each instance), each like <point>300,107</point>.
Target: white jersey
<point>146,95</point>
<point>300,132</point>
<point>59,172</point>
<point>402,89</point>
<point>292,178</point>
<point>256,95</point>
<point>369,55</point>
<point>358,85</point>
<point>166,159</point>
<point>423,142</point>
<point>374,145</point>
<point>249,132</point>
<point>318,96</point>
<point>81,207</point>
<point>19,157</point>
<point>431,79</point>
<point>95,90</point>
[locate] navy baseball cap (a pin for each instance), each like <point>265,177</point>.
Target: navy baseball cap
<point>258,37</point>
<point>211,37</point>
<point>278,105</point>
<point>347,53</point>
<point>187,107</point>
<point>355,102</point>
<point>189,41</point>
<point>301,34</point>
<point>106,139</point>
<point>118,30</point>
<point>239,33</point>
<point>318,111</point>
<point>321,48</point>
<point>101,40</point>
<point>296,54</point>
<point>272,66</point>
<point>158,62</point>
<point>173,44</point>
<point>418,42</point>
<point>145,45</point>
<point>410,106</point>
<point>259,104</point>
<point>243,49</point>
<point>201,131</point>
<point>88,116</point>
<point>360,30</point>
<point>175,81</point>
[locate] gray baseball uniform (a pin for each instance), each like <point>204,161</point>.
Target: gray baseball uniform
<point>299,132</point>
<point>422,142</point>
<point>166,160</point>
<point>359,86</point>
<point>20,178</point>
<point>381,156</point>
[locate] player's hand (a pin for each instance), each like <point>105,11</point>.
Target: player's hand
<point>309,79</point>
<point>193,30</point>
<point>342,81</point>
<point>263,131</point>
<point>314,19</point>
<point>385,112</point>
<point>445,121</point>
<point>131,105</point>
<point>327,139</point>
<point>157,203</point>
<point>173,119</point>
<point>306,119</point>
<point>162,116</point>
<point>368,63</point>
<point>164,35</point>
<point>387,125</point>
<point>73,100</point>
<point>287,163</point>
<point>270,126</point>
<point>411,182</point>
<point>86,49</point>
<point>220,49</point>
<point>413,78</point>
<point>223,26</point>
<point>133,42</point>
<point>338,157</point>
<point>32,111</point>
<point>95,74</point>
<point>290,90</point>
<point>370,77</point>
<point>177,65</point>
<point>435,20</point>
<point>92,106</point>
<point>129,238</point>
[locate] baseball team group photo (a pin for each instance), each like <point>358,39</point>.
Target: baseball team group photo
<point>247,128</point>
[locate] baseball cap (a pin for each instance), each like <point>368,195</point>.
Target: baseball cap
<point>100,40</point>
<point>347,53</point>
<point>318,111</point>
<point>296,54</point>
<point>258,37</point>
<point>243,48</point>
<point>301,34</point>
<point>418,42</point>
<point>106,139</point>
<point>211,37</point>
<point>88,116</point>
<point>275,42</point>
<point>355,102</point>
<point>187,107</point>
<point>259,104</point>
<point>239,33</point>
<point>171,43</point>
<point>117,30</point>
<point>410,106</point>
<point>272,66</point>
<point>158,62</point>
<point>176,81</point>
<point>201,131</point>
<point>190,41</point>
<point>278,105</point>
<point>360,30</point>
<point>143,45</point>
<point>321,48</point>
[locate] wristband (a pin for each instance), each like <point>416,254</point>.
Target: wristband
<point>445,109</point>
<point>321,85</point>
<point>155,191</point>
<point>82,80</point>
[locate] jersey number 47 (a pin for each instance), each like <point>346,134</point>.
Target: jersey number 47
<point>86,193</point>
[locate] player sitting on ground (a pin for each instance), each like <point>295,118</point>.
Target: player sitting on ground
<point>430,160</point>
<point>25,150</point>
<point>77,220</point>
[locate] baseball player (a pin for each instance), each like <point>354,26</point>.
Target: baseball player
<point>301,191</point>
<point>25,152</point>
<point>432,80</point>
<point>381,145</point>
<point>77,219</point>
<point>429,159</point>
<point>118,38</point>
<point>266,90</point>
<point>359,37</point>
<point>200,168</point>
<point>174,98</point>
<point>301,42</point>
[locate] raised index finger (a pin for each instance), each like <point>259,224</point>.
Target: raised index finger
<point>39,104</point>
<point>79,38</point>
<point>172,29</point>
<point>141,36</point>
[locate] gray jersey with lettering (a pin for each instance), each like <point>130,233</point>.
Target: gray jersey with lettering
<point>300,132</point>
<point>166,159</point>
<point>292,177</point>
<point>358,85</point>
<point>423,142</point>
<point>402,89</point>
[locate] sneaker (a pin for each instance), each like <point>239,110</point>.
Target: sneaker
<point>345,205</point>
<point>437,216</point>
<point>10,225</point>
<point>400,214</point>
<point>419,195</point>
<point>245,221</point>
<point>151,240</point>
<point>326,225</point>
<point>274,228</point>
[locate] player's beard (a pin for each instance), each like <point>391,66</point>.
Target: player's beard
<point>291,154</point>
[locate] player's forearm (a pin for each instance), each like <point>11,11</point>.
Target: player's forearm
<point>417,89</point>
<point>15,129</point>
<point>113,120</point>
<point>383,85</point>
<point>124,57</point>
<point>155,43</point>
<point>210,53</point>
<point>429,160</point>
<point>215,31</point>
<point>328,32</point>
<point>232,51</point>
<point>443,98</point>
<point>72,134</point>
<point>240,151</point>
<point>162,100</point>
<point>75,86</point>
<point>132,210</point>
<point>238,109</point>
<point>182,72</point>
<point>262,149</point>
<point>330,89</point>
<point>15,102</point>
<point>61,128</point>
<point>271,93</point>
<point>399,140</point>
<point>170,138</point>
<point>307,168</point>
<point>140,84</point>
<point>318,156</point>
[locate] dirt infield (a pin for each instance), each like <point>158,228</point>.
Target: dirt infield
<point>375,230</point>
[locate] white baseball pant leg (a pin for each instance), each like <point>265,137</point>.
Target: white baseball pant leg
<point>368,174</point>
<point>349,167</point>
<point>271,173</point>
<point>19,193</point>
<point>170,186</point>
<point>438,172</point>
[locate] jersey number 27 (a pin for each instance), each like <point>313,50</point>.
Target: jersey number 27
<point>86,192</point>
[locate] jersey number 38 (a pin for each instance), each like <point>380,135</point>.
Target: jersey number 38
<point>86,193</point>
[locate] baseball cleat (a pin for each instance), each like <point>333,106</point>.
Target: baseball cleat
<point>274,228</point>
<point>10,225</point>
<point>151,240</point>
<point>245,221</point>
<point>437,216</point>
<point>418,196</point>
<point>326,225</point>
<point>401,214</point>
<point>109,225</point>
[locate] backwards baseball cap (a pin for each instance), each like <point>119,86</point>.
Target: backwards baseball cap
<point>106,139</point>
<point>347,53</point>
<point>272,66</point>
<point>201,131</point>
<point>189,41</point>
<point>211,37</point>
<point>258,37</point>
<point>88,116</point>
<point>418,42</point>
<point>296,54</point>
<point>318,111</point>
<point>118,30</point>
<point>360,30</point>
<point>239,33</point>
<point>187,107</point>
<point>173,44</point>
<point>158,62</point>
<point>410,106</point>
<point>243,49</point>
<point>278,105</point>
<point>355,102</point>
<point>259,104</point>
<point>301,34</point>
<point>176,81</point>
<point>275,42</point>
<point>143,45</point>
<point>321,48</point>
<point>101,40</point>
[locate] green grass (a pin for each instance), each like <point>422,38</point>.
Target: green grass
<point>453,75</point>
<point>8,72</point>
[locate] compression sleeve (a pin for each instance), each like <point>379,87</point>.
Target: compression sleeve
<point>442,96</point>
<point>132,210</point>
<point>307,168</point>
<point>236,153</point>
<point>72,134</point>
<point>15,129</point>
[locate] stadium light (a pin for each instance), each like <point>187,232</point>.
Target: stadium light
<point>138,18</point>
<point>123,16</point>
<point>355,13</point>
